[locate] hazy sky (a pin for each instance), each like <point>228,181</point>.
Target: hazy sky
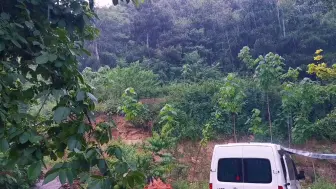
<point>103,2</point>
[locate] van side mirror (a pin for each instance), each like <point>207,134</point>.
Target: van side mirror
<point>301,176</point>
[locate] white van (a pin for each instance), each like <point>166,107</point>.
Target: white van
<point>253,166</point>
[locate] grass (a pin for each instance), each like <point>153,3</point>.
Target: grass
<point>186,185</point>
<point>322,184</point>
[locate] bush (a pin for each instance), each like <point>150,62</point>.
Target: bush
<point>196,100</point>
<point>15,177</point>
<point>111,83</point>
<point>134,111</point>
<point>322,184</point>
<point>181,184</point>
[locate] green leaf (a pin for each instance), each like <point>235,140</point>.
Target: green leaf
<point>53,156</point>
<point>72,142</point>
<point>117,152</point>
<point>51,175</point>
<point>36,33</point>
<point>121,168</point>
<point>61,113</point>
<point>5,16</point>
<point>42,59</point>
<point>61,23</point>
<point>24,137</point>
<point>34,170</point>
<point>70,176</point>
<point>28,151</point>
<point>90,152</point>
<point>58,64</point>
<point>2,46</point>
<point>139,177</point>
<point>19,25</point>
<point>35,139</point>
<point>83,177</point>
<point>23,40</point>
<point>92,97</point>
<point>62,176</point>
<point>29,25</point>
<point>52,57</point>
<point>130,181</point>
<point>4,145</point>
<point>86,52</point>
<point>80,96</point>
<point>16,43</point>
<point>102,166</point>
<point>81,128</point>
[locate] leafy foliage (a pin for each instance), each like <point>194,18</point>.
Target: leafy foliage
<point>134,111</point>
<point>232,98</point>
<point>40,45</point>
<point>196,103</point>
<point>16,177</point>
<point>110,84</point>
<point>257,128</point>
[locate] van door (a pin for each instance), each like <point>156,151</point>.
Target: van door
<point>227,168</point>
<point>260,170</point>
<point>292,182</point>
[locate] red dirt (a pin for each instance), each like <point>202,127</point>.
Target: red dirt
<point>124,131</point>
<point>187,151</point>
<point>158,184</point>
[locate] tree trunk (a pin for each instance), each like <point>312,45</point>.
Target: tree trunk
<point>195,164</point>
<point>229,44</point>
<point>278,11</point>
<point>283,24</point>
<point>95,46</point>
<point>234,127</point>
<point>269,116</point>
<point>289,134</point>
<point>96,51</point>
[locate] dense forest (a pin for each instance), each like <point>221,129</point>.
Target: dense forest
<point>184,74</point>
<point>184,50</point>
<point>165,35</point>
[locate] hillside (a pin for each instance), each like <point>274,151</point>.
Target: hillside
<point>114,97</point>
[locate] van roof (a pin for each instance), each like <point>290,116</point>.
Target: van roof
<point>276,146</point>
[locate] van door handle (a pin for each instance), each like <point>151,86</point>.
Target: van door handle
<point>287,184</point>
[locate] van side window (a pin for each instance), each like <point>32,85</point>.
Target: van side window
<point>248,170</point>
<point>230,170</point>
<point>290,166</point>
<point>283,168</point>
<point>257,171</point>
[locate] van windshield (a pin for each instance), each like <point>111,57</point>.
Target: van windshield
<point>247,170</point>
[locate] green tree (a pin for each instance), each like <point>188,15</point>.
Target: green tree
<point>40,43</point>
<point>268,72</point>
<point>256,125</point>
<point>232,98</point>
<point>135,111</point>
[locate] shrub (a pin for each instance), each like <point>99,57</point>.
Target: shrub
<point>181,184</point>
<point>134,111</point>
<point>196,102</point>
<point>15,177</point>
<point>111,83</point>
<point>322,184</point>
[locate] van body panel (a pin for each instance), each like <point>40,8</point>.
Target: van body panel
<point>292,182</point>
<point>262,152</point>
<point>250,166</point>
<point>224,152</point>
